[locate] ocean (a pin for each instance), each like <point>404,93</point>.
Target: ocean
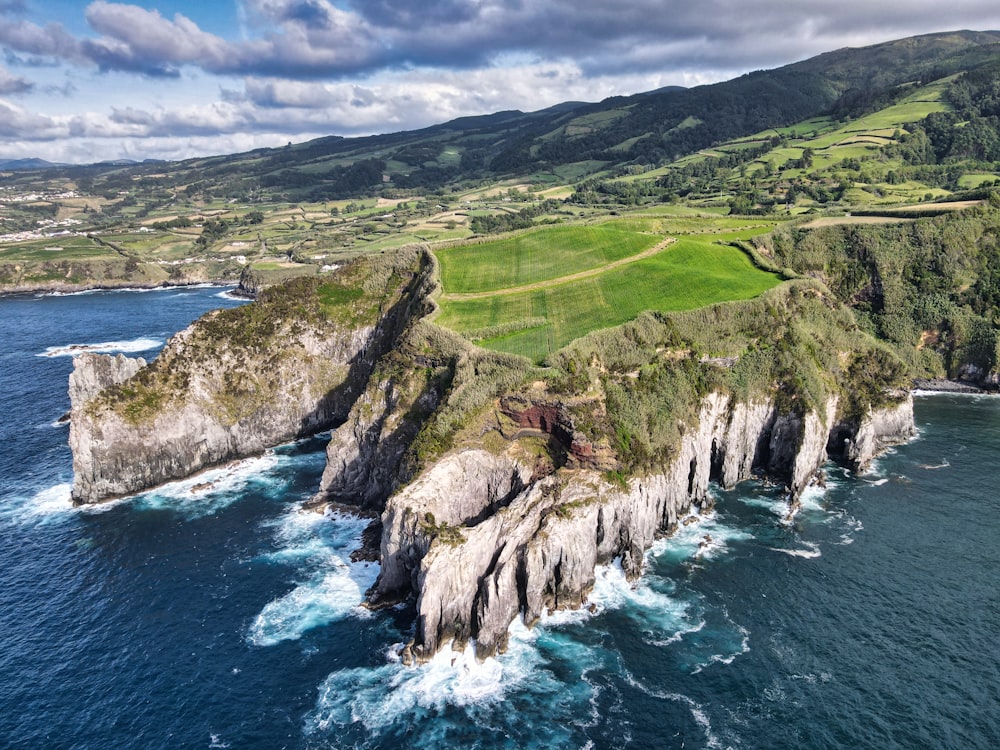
<point>224,617</point>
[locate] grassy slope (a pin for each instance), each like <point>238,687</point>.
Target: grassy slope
<point>537,256</point>
<point>691,273</point>
<point>831,142</point>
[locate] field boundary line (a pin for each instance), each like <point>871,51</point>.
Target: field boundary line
<point>548,283</point>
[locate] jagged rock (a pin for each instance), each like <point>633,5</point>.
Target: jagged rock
<point>471,483</point>
<point>554,419</point>
<point>364,454</point>
<point>515,547</point>
<point>92,373</point>
<point>213,396</point>
<point>251,283</point>
<point>858,444</point>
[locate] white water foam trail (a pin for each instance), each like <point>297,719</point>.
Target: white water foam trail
<point>513,700</point>
<point>662,618</point>
<point>334,586</point>
<point>699,537</point>
<point>811,551</point>
<point>131,290</point>
<point>379,697</point>
<point>105,347</point>
<point>47,506</point>
<point>52,505</point>
<point>777,506</point>
<point>698,712</point>
<point>211,490</point>
<point>455,688</point>
<point>200,495</point>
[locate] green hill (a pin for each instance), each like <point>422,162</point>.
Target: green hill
<point>572,139</point>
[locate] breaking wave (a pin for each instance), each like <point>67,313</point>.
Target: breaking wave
<point>106,347</point>
<point>334,587</point>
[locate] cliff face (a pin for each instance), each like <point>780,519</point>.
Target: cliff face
<point>500,487</point>
<point>481,540</point>
<point>236,382</point>
<point>93,373</point>
<point>857,443</point>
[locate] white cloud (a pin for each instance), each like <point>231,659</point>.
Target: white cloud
<point>310,39</point>
<point>300,68</point>
<point>11,84</point>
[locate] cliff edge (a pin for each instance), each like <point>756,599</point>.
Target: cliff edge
<point>498,485</point>
<point>241,380</point>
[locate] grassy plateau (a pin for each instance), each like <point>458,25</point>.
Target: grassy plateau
<point>537,292</point>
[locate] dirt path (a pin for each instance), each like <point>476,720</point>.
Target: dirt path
<point>659,247</point>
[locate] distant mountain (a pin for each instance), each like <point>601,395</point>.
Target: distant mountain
<point>26,164</point>
<point>568,141</point>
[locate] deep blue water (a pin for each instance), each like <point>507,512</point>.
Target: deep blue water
<point>192,618</point>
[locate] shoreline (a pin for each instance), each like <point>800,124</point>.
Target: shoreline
<point>71,289</point>
<point>935,386</point>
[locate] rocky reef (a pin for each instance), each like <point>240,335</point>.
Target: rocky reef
<point>498,486</point>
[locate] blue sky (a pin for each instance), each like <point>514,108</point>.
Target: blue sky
<point>85,81</point>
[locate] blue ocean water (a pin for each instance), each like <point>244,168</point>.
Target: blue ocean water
<point>223,617</point>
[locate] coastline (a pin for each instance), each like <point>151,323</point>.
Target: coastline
<point>124,286</point>
<point>936,386</point>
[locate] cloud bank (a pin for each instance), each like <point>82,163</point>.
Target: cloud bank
<point>296,68</point>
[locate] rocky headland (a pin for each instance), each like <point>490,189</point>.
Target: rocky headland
<point>238,381</point>
<point>498,486</point>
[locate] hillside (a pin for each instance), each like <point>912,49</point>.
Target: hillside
<point>886,133</point>
<point>572,139</point>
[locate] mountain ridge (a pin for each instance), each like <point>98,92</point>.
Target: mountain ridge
<point>646,127</point>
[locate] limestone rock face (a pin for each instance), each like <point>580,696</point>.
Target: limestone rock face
<point>364,455</point>
<point>213,396</point>
<point>92,373</point>
<point>114,456</point>
<point>452,495</point>
<point>858,445</point>
<point>480,542</point>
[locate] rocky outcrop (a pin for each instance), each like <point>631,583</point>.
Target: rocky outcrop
<point>856,443</point>
<point>479,540</point>
<point>499,487</point>
<point>251,283</point>
<point>93,373</point>
<point>364,455</point>
<point>550,417</point>
<point>454,494</point>
<point>237,382</point>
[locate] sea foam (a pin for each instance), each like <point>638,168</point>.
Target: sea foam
<point>334,587</point>
<point>71,350</point>
<point>209,491</point>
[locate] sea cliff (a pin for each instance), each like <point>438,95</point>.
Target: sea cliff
<point>498,486</point>
<point>238,381</point>
<point>480,537</point>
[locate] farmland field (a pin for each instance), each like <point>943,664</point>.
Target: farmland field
<point>539,255</point>
<point>690,273</point>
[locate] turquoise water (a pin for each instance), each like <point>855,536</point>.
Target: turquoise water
<point>225,617</point>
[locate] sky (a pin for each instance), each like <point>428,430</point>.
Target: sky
<point>168,79</point>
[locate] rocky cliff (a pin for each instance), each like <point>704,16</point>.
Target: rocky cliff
<point>499,485</point>
<point>481,539</point>
<point>241,380</point>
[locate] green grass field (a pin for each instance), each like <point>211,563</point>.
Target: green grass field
<point>539,255</point>
<point>71,247</point>
<point>691,273</point>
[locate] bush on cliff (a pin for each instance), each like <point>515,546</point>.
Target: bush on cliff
<point>929,288</point>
